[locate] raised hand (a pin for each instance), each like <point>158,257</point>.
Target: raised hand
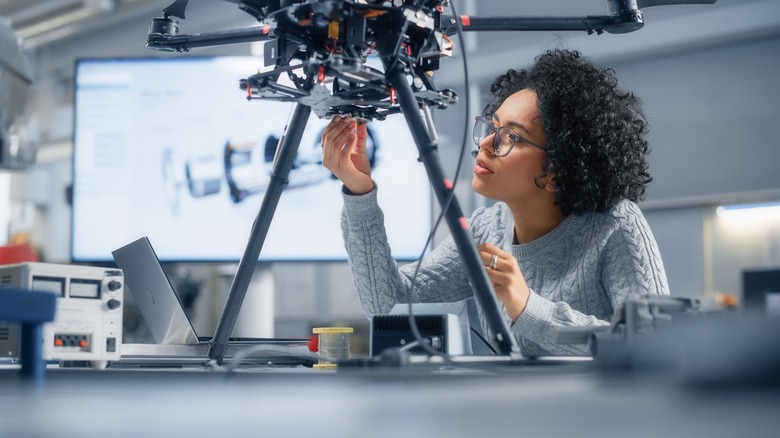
<point>344,154</point>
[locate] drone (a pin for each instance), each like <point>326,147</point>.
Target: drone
<point>318,56</point>
<point>331,40</point>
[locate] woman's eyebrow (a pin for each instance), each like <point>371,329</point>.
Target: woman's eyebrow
<point>512,123</point>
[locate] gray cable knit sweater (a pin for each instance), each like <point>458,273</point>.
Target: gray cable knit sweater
<point>579,273</point>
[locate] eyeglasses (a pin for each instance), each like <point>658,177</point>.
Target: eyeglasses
<point>504,139</point>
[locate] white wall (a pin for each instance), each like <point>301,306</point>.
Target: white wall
<point>714,137</point>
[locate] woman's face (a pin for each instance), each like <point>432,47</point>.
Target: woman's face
<point>512,177</point>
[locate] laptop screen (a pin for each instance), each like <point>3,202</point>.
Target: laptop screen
<point>154,294</point>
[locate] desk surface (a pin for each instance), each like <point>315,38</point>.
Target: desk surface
<point>548,400</point>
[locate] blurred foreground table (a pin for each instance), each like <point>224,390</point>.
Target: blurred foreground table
<point>540,400</point>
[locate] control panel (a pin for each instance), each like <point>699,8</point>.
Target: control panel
<point>87,324</point>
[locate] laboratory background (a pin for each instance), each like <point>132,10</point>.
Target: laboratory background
<point>707,77</point>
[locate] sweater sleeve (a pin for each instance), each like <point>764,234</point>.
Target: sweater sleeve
<point>379,281</point>
<point>538,321</point>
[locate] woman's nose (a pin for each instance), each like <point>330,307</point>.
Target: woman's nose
<point>487,143</point>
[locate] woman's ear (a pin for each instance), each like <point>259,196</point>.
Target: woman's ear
<point>549,183</point>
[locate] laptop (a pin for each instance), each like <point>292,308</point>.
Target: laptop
<point>160,306</point>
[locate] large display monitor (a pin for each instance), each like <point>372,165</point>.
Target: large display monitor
<point>170,149</point>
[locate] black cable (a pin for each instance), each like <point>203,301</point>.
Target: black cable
<point>410,295</point>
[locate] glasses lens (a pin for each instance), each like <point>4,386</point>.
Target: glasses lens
<point>481,130</point>
<point>505,141</point>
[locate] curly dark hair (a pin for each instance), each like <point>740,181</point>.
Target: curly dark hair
<point>595,130</point>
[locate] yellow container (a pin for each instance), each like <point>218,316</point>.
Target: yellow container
<point>334,343</point>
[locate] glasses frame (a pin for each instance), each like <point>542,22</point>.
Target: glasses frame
<point>494,131</point>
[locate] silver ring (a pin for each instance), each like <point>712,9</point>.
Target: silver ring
<point>492,264</point>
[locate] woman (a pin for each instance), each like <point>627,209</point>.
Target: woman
<point>562,150</point>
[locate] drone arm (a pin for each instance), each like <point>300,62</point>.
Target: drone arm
<point>183,43</point>
<point>613,24</point>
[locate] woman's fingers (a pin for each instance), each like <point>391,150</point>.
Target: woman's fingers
<point>341,154</point>
<point>336,140</point>
<point>487,251</point>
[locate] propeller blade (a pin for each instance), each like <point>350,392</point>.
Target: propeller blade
<point>649,3</point>
<point>176,9</point>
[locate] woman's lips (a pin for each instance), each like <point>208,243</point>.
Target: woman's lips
<point>481,169</point>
